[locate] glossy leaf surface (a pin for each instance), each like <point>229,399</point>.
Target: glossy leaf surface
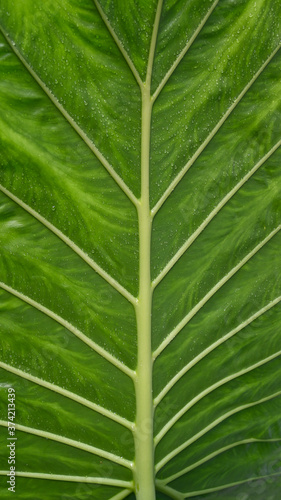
<point>140,248</point>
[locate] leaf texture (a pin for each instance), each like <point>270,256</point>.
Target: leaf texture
<point>140,248</point>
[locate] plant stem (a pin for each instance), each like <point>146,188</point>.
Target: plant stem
<point>144,446</point>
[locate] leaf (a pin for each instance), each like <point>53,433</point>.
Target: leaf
<point>140,249</point>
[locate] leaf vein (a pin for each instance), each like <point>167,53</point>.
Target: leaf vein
<point>212,347</point>
<point>209,427</point>
<point>212,214</point>
<point>118,180</point>
<point>85,257</point>
<point>215,454</point>
<point>70,395</point>
<point>118,43</point>
<point>71,442</point>
<point>153,41</point>
<point>212,292</point>
<point>102,352</point>
<point>208,391</point>
<point>64,477</point>
<point>184,51</point>
<point>205,143</point>
<point>121,495</point>
<point>230,485</point>
<point>171,492</point>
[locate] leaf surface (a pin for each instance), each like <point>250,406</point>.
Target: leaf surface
<point>140,248</point>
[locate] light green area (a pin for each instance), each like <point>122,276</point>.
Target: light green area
<point>140,216</point>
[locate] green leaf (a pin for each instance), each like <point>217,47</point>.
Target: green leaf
<point>140,249</point>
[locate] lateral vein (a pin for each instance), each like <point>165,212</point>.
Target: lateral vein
<point>70,395</point>
<point>212,214</point>
<point>171,492</point>
<point>184,51</point>
<point>153,45</point>
<point>118,43</point>
<point>209,427</point>
<point>208,391</point>
<point>71,442</point>
<point>119,181</point>
<point>205,143</point>
<point>102,352</point>
<point>215,454</point>
<point>230,485</point>
<point>123,494</point>
<point>75,479</point>
<point>212,347</point>
<point>85,257</point>
<point>212,292</point>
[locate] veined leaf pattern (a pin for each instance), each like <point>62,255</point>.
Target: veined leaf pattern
<point>140,248</point>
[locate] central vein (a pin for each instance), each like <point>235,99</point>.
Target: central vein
<point>144,471</point>
<point>144,446</point>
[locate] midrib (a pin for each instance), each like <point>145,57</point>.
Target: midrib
<point>144,469</point>
<point>144,445</point>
